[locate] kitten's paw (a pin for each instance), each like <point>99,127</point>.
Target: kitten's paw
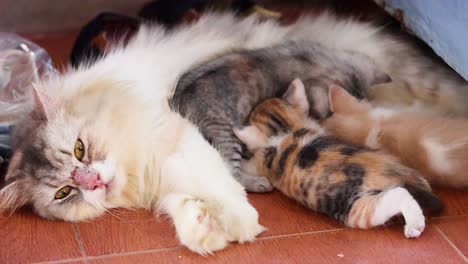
<point>412,232</point>
<point>256,184</point>
<point>415,228</point>
<point>415,222</point>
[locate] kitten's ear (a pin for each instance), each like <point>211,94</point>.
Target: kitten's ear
<point>341,101</point>
<point>11,194</point>
<point>296,95</point>
<point>251,136</point>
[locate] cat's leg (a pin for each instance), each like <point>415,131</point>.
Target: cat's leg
<point>222,138</point>
<point>375,210</point>
<point>208,206</point>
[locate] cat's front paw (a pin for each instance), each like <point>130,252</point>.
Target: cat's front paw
<point>240,220</point>
<point>198,226</point>
<point>206,226</point>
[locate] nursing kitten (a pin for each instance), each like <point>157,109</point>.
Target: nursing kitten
<point>220,94</point>
<point>360,187</point>
<point>434,145</point>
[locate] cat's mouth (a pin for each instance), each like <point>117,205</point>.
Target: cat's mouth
<point>109,185</point>
<point>92,180</point>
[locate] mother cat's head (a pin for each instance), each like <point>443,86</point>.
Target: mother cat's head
<point>71,152</point>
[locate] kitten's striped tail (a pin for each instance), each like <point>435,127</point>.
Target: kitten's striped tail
<point>425,198</point>
<point>421,191</point>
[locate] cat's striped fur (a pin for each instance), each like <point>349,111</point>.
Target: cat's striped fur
<point>360,187</point>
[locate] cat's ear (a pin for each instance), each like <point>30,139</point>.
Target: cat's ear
<point>11,193</point>
<point>341,101</point>
<point>251,136</point>
<point>11,197</point>
<point>296,95</point>
<point>42,102</point>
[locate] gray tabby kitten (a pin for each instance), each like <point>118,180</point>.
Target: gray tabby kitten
<point>219,95</point>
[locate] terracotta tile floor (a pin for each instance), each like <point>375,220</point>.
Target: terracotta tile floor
<point>295,234</point>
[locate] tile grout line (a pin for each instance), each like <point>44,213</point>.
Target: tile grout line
<point>111,255</point>
<point>61,261</point>
<point>80,242</point>
<point>300,233</point>
<point>132,253</point>
<point>83,257</point>
<point>447,217</point>
<point>451,243</point>
<point>178,247</point>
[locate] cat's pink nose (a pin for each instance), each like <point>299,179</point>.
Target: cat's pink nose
<point>87,178</point>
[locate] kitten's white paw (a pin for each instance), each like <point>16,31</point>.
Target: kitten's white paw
<point>412,232</point>
<point>415,228</point>
<point>415,222</point>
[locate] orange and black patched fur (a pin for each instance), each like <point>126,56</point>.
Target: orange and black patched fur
<point>355,185</point>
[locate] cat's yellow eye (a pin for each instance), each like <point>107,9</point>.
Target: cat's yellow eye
<point>79,149</point>
<point>63,192</point>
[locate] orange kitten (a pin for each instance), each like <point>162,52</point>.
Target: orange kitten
<point>436,146</point>
<point>355,185</point>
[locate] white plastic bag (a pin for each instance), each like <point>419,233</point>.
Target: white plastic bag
<point>21,64</point>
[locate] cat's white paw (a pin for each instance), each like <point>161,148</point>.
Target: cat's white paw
<point>240,220</point>
<point>206,226</point>
<point>199,228</point>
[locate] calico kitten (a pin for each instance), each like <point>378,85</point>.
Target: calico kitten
<point>220,94</point>
<point>437,146</point>
<point>360,187</point>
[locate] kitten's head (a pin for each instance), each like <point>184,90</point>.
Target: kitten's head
<point>65,160</point>
<point>350,120</point>
<point>272,120</point>
<point>275,116</point>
